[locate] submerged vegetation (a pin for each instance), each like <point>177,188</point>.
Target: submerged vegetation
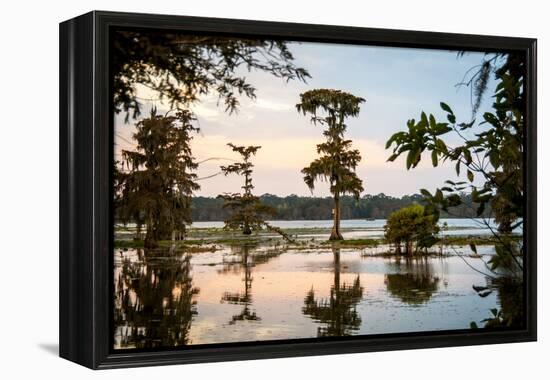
<point>413,228</point>
<point>211,239</point>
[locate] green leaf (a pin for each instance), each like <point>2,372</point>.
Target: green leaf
<point>410,157</point>
<point>480,209</point>
<point>393,157</point>
<point>413,158</point>
<point>484,198</point>
<point>433,123</point>
<point>446,108</point>
<point>494,158</point>
<point>457,168</point>
<point>467,155</point>
<point>451,118</point>
<point>440,144</point>
<point>423,120</point>
<point>434,158</point>
<point>425,193</point>
<point>470,176</point>
<point>491,119</point>
<point>475,195</point>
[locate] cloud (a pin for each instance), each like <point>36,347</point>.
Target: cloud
<point>396,83</point>
<point>272,105</point>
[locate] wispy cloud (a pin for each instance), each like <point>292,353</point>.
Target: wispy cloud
<point>396,83</point>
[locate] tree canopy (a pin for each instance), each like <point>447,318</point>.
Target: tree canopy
<point>247,212</point>
<point>155,181</point>
<point>294,207</point>
<point>412,227</point>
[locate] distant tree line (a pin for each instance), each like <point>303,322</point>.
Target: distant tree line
<point>294,207</point>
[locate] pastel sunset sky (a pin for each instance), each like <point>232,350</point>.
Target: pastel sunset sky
<point>397,84</point>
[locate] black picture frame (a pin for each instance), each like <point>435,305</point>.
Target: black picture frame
<point>86,141</point>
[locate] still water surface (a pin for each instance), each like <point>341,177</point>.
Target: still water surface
<point>373,228</point>
<point>251,293</point>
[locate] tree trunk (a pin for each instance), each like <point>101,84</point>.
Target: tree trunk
<point>246,229</point>
<point>410,250</point>
<point>138,231</point>
<point>335,234</point>
<point>398,247</point>
<point>151,240</point>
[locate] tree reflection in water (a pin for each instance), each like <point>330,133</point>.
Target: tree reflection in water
<point>416,285</point>
<point>510,300</point>
<point>510,297</point>
<point>242,259</point>
<point>338,311</point>
<point>154,299</point>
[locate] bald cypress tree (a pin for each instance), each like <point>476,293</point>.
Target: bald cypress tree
<point>158,180</point>
<point>338,161</point>
<point>248,213</point>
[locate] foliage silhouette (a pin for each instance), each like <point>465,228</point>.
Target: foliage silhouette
<point>247,211</point>
<point>490,152</point>
<point>294,207</point>
<point>158,183</point>
<point>179,68</point>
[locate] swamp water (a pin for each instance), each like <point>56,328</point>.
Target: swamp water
<point>257,292</point>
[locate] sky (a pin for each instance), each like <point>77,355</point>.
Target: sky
<point>396,83</point>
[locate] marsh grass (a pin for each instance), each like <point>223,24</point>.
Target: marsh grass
<point>212,239</point>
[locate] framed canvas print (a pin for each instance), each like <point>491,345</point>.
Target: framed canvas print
<point>236,189</point>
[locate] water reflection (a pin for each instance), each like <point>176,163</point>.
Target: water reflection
<point>414,284</point>
<point>510,300</point>
<point>154,299</point>
<point>242,259</point>
<point>338,311</point>
<point>258,292</point>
